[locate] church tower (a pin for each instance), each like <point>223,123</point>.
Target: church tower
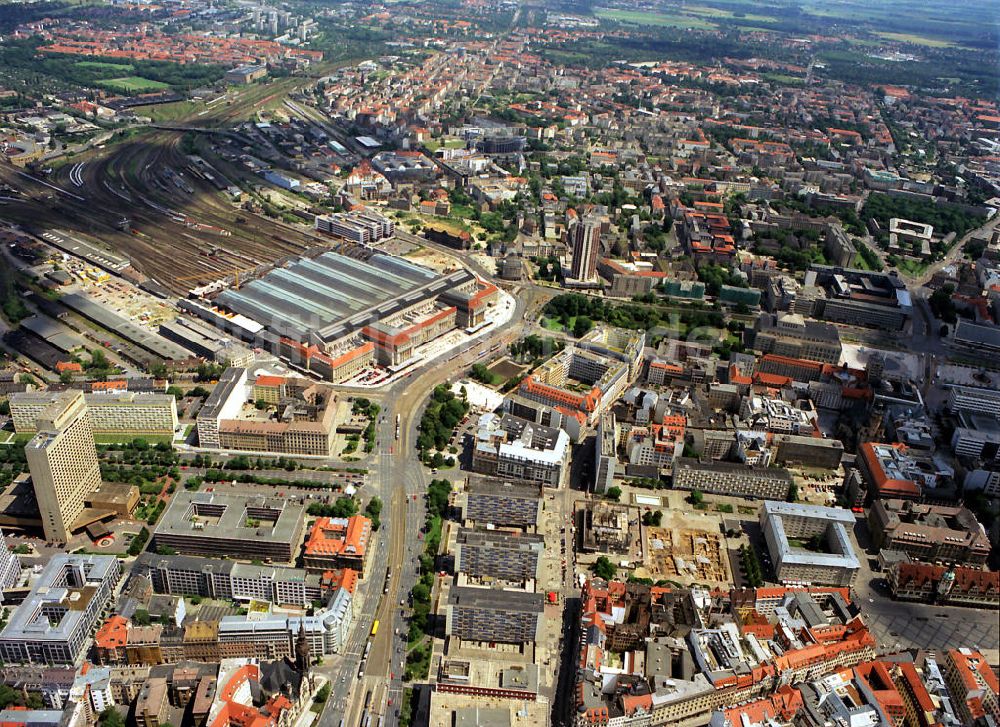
<point>302,657</point>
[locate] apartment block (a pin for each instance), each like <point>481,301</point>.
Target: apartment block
<point>605,453</point>
<point>490,615</point>
<point>724,478</point>
<point>500,503</point>
<point>973,685</point>
<point>124,413</point>
<point>498,555</point>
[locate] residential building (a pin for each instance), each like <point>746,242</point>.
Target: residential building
<point>491,615</point>
<point>973,685</point>
<point>586,244</point>
<point>499,503</point>
<point>120,413</point>
<point>151,704</point>
<point>605,453</point>
<point>488,555</point>
<point>726,478</point>
<point>63,462</point>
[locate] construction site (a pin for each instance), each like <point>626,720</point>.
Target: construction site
<point>681,551</point>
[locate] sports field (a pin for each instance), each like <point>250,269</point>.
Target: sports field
<point>133,84</point>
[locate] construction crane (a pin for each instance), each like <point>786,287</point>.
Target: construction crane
<point>235,272</point>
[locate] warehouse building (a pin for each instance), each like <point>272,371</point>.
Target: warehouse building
<point>102,316</point>
<point>206,342</point>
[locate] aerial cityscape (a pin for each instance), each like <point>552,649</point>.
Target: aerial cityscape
<point>499,363</point>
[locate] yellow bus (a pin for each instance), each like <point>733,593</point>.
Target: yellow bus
<point>375,627</point>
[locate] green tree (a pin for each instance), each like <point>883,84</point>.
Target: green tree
<point>111,717</point>
<point>696,498</point>
<point>604,568</point>
<point>613,493</point>
<point>373,510</point>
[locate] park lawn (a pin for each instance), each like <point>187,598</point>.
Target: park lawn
<point>784,79</point>
<point>115,69</point>
<point>639,17</point>
<point>133,84</point>
<point>552,324</point>
<point>913,268</point>
<point>462,211</point>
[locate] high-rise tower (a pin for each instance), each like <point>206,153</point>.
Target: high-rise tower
<point>63,463</point>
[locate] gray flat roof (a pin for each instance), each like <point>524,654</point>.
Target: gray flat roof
<point>968,332</point>
<point>494,599</point>
<point>225,516</point>
<point>221,393</point>
<point>501,539</point>
<point>114,323</point>
<point>312,294</point>
<point>28,621</point>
